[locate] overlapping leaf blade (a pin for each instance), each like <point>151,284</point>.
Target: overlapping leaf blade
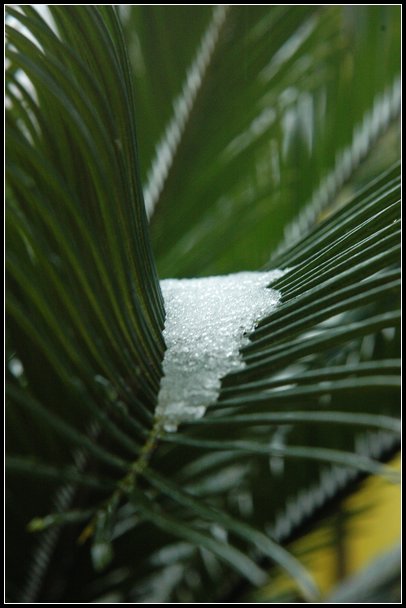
<point>84,306</point>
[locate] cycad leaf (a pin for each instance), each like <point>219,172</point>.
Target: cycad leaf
<point>289,136</point>
<point>89,235</point>
<point>84,305</point>
<point>85,313</point>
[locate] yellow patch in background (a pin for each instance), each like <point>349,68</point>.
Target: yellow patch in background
<point>367,524</point>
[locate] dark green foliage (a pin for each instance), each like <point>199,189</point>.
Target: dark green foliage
<point>279,137</point>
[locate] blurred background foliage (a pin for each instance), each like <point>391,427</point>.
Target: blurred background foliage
<point>266,136</point>
<point>291,97</point>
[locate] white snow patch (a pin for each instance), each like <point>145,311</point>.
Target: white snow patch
<point>208,321</point>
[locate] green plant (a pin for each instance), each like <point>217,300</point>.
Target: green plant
<point>283,119</point>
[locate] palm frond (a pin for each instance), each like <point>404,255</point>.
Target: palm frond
<point>295,132</point>
<point>197,511</point>
<point>182,109</point>
<point>76,225</point>
<point>385,109</point>
<point>76,213</point>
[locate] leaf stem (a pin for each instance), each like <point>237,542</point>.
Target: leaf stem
<point>128,482</point>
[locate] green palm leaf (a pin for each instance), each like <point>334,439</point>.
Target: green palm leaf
<point>232,155</point>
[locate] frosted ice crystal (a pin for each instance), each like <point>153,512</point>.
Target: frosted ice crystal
<point>208,321</point>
